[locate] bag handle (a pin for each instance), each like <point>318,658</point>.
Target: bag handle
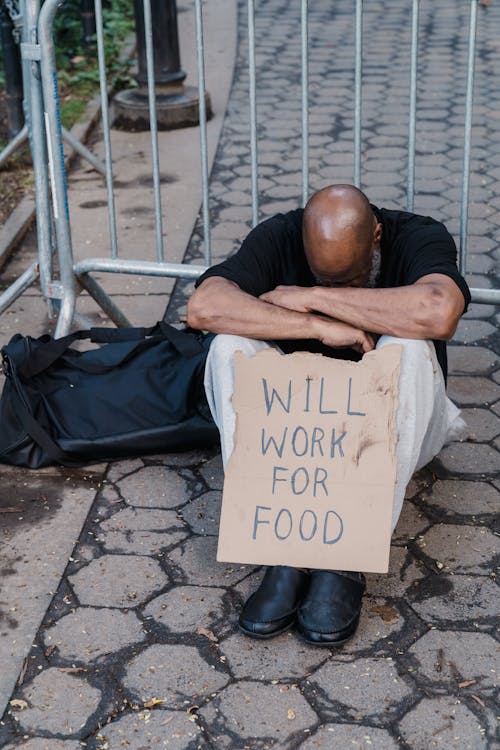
<point>39,360</point>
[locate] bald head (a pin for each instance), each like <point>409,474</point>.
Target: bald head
<point>340,234</point>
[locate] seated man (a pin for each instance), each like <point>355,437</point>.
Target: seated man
<point>339,277</point>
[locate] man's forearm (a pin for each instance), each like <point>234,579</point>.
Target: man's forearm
<point>222,307</point>
<point>430,308</point>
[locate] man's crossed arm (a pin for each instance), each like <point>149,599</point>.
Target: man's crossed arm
<point>336,316</point>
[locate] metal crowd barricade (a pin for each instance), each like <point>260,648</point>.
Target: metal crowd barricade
<point>47,146</point>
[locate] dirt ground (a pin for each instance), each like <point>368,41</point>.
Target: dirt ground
<point>16,178</point>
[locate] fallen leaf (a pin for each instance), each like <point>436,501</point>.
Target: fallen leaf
<point>291,714</point>
<point>439,565</point>
<point>19,704</point>
<point>466,683</point>
<point>389,614</point>
<point>23,672</point>
<point>153,702</point>
<point>207,633</point>
<point>478,700</point>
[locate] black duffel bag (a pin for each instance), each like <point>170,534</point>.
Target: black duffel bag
<point>140,392</point>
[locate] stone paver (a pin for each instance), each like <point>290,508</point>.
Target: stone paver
<point>361,688</point>
<point>203,514</point>
<point>461,549</point>
<point>58,702</point>
<point>463,458</point>
<point>449,658</point>
<point>196,562</point>
<point>118,581</point>
<point>443,723</point>
<point>403,572</point>
<point>176,675</point>
<point>185,608</point>
<point>257,715</point>
<point>280,659</point>
<point>482,424</point>
<point>350,736</point>
<point>154,487</point>
<point>145,617</point>
<point>174,730</point>
<point>463,498</point>
<point>88,633</point>
<point>466,599</point>
<point>141,532</point>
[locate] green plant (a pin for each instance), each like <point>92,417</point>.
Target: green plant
<point>77,66</point>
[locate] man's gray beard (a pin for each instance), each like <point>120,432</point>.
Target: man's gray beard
<point>374,276</point>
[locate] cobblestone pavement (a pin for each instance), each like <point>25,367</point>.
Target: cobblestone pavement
<point>139,648</point>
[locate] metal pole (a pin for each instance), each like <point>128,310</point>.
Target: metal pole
<point>305,99</point>
<point>357,92</point>
<point>103,84</point>
<point>88,21</point>
<point>203,131</point>
<point>467,138</point>
<point>177,105</point>
<point>413,107</point>
<point>252,93</point>
<point>154,129</point>
<point>57,166</point>
<point>30,10</point>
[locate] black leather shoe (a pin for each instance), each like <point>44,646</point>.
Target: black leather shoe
<point>329,613</point>
<point>272,608</point>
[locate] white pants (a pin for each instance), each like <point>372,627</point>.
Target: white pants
<point>426,417</point>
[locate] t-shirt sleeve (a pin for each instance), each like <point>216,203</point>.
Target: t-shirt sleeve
<point>431,249</point>
<point>256,265</point>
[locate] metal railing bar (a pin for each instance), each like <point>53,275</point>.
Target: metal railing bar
<point>304,44</point>
<point>104,301</point>
<point>200,55</point>
<point>357,91</point>
<point>33,101</point>
<point>14,144</point>
<point>485,296</point>
<point>139,267</point>
<point>464,217</point>
<point>57,167</point>
<point>106,129</point>
<point>412,121</point>
<point>19,286</point>
<point>84,152</point>
<point>253,112</point>
<point>153,124</point>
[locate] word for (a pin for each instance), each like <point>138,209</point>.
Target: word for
<point>314,398</point>
<point>282,524</point>
<point>301,479</point>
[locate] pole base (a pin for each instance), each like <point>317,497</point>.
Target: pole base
<point>176,107</point>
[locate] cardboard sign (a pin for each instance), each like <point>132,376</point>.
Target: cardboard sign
<point>310,482</point>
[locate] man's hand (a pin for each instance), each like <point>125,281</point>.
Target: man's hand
<point>290,297</point>
<point>337,334</point>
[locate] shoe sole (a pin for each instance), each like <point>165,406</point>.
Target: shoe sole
<point>265,636</point>
<point>328,644</point>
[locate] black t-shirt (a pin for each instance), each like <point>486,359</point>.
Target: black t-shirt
<point>412,246</point>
